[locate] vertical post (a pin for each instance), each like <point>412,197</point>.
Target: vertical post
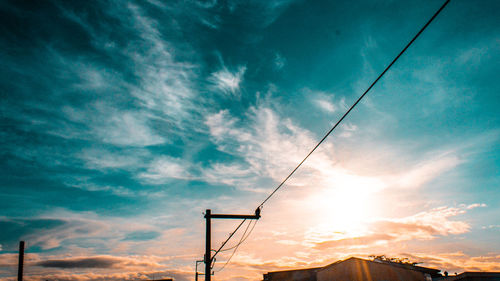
<point>21,261</point>
<point>196,272</point>
<point>208,250</point>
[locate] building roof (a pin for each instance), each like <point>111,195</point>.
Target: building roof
<point>280,274</point>
<point>294,274</point>
<point>302,269</point>
<point>474,276</point>
<point>434,273</point>
<point>430,271</point>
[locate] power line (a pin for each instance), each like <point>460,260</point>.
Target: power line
<point>354,105</point>
<point>323,139</point>
<point>236,246</point>
<point>231,235</point>
<point>243,238</point>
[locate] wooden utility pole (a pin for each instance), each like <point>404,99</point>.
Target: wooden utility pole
<point>208,246</point>
<point>21,261</point>
<point>209,216</point>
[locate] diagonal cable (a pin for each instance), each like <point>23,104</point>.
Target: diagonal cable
<point>227,240</point>
<point>354,105</point>
<point>243,238</point>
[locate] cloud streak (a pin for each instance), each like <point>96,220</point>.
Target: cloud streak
<point>228,82</point>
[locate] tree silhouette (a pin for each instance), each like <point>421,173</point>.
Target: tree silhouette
<point>396,259</point>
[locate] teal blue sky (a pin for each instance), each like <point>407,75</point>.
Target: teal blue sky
<point>121,122</point>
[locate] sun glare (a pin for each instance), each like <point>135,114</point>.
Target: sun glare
<point>344,208</point>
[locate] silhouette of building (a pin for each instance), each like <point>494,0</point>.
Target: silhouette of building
<point>308,274</point>
<point>356,269</point>
<point>376,270</point>
<point>473,276</point>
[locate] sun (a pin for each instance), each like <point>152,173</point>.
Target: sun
<point>345,205</point>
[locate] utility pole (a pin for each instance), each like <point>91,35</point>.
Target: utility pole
<point>21,261</point>
<point>208,246</point>
<point>209,216</point>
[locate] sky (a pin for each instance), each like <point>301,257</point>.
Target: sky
<point>123,121</point>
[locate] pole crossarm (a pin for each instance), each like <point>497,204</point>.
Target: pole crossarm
<point>227,216</point>
<point>256,216</point>
<point>209,216</point>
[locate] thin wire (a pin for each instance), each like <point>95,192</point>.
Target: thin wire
<point>359,99</point>
<point>236,247</point>
<point>231,235</point>
<point>239,243</point>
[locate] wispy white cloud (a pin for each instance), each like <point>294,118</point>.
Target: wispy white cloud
<point>265,135</point>
<point>220,125</point>
<point>228,82</point>
<point>426,224</point>
<point>325,101</point>
<point>475,205</point>
<point>457,261</point>
<point>473,55</point>
<point>100,158</point>
<point>425,171</point>
<point>267,11</point>
<point>128,128</point>
<point>164,169</point>
<point>166,85</point>
<point>162,92</point>
<point>231,174</point>
<point>279,61</point>
<point>114,126</point>
<point>167,168</point>
<point>478,52</point>
<point>384,232</point>
<point>86,184</point>
<point>348,129</point>
<point>211,24</point>
<point>266,145</point>
<point>491,226</point>
<point>326,105</point>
